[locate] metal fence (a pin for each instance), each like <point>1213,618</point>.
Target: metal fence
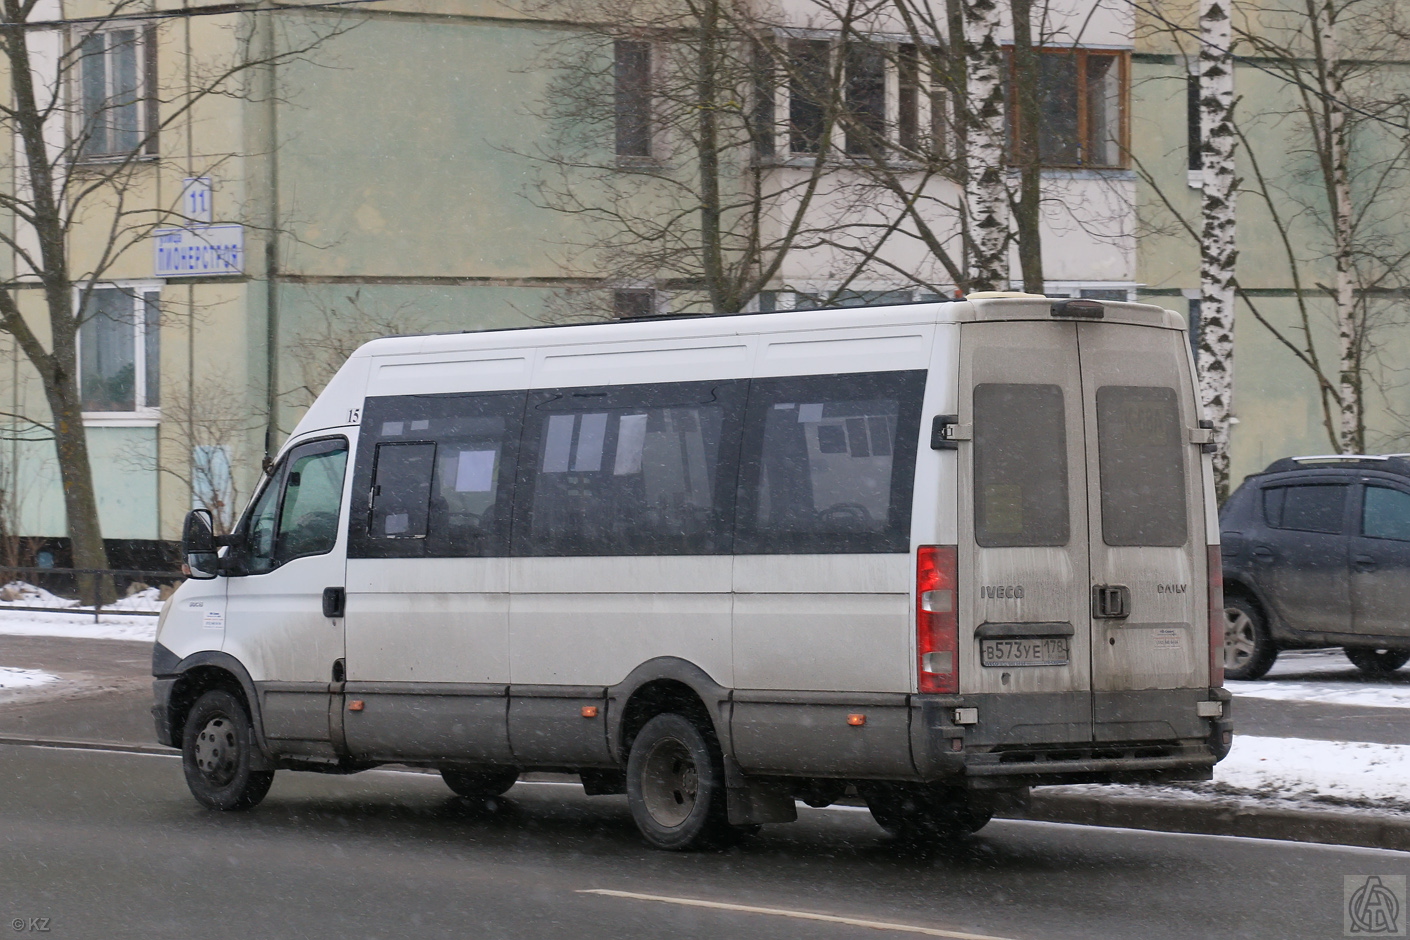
<point>75,583</point>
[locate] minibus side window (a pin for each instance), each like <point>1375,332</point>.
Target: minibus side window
<point>1141,452</point>
<point>637,470</point>
<point>313,494</point>
<point>1020,466</point>
<point>401,490</point>
<point>435,475</point>
<point>829,463</point>
<point>259,538</point>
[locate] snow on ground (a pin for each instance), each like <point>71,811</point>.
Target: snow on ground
<point>1326,676</point>
<point>1328,770</point>
<point>1331,693</point>
<point>12,679</point>
<point>1293,773</point>
<point>20,594</point>
<point>79,625</point>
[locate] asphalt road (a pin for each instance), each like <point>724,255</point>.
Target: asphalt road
<point>108,697</point>
<point>108,845</point>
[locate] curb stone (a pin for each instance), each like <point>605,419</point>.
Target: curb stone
<point>1220,819</point>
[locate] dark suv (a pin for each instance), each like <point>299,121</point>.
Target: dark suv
<point>1317,553</point>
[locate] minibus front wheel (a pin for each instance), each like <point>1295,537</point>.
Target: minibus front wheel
<point>676,786</point>
<point>217,751</point>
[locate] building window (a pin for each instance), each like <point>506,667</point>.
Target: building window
<point>627,304</point>
<point>1081,119</point>
<point>764,130</point>
<point>117,113</point>
<point>866,96</point>
<point>911,97</point>
<point>632,80</point>
<point>119,349</point>
<point>807,94</point>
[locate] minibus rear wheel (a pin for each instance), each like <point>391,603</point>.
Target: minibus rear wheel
<point>217,749</point>
<point>676,786</point>
<point>479,784</point>
<point>922,813</point>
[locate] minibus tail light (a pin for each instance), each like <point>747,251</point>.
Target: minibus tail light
<point>937,618</point>
<point>1216,618</point>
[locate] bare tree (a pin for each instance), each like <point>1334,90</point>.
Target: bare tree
<point>211,427</point>
<point>667,151</point>
<point>84,153</point>
<point>325,343</point>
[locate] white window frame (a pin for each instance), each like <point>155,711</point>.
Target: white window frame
<point>141,416</point>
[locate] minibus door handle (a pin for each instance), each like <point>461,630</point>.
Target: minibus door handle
<point>334,600</point>
<point>1111,601</point>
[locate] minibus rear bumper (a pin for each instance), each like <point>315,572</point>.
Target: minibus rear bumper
<point>949,742</point>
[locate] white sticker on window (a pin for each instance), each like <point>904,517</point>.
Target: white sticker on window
<point>592,434</point>
<point>397,523</point>
<point>474,471</point>
<point>809,414</point>
<point>420,425</point>
<point>559,445</point>
<point>631,440</point>
<point>784,407</point>
<point>392,428</point>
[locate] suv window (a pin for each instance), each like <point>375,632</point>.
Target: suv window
<point>1385,514</point>
<point>1306,508</point>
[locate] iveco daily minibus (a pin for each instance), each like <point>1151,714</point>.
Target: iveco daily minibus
<point>929,555</point>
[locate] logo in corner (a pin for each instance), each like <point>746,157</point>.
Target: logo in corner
<point>1374,906</point>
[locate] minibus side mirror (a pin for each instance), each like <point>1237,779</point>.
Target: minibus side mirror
<point>199,544</point>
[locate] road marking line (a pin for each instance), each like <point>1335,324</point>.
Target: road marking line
<point>797,915</point>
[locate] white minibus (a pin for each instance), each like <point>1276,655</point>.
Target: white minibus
<point>929,555</point>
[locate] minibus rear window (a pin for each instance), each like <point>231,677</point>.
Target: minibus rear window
<point>1020,466</point>
<point>1142,461</point>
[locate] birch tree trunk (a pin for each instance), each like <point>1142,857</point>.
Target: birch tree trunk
<point>986,195</point>
<point>1218,251</point>
<point>1335,158</point>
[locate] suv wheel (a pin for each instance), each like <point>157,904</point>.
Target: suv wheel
<point>1248,649</point>
<point>1377,662</point>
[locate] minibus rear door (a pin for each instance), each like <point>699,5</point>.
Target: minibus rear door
<point>1024,624</point>
<point>1148,635</point>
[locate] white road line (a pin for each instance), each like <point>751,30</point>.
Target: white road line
<point>796,915</point>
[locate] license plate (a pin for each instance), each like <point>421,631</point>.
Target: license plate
<point>1024,651</point>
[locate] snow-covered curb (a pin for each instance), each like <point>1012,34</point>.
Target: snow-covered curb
<point>1291,774</point>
